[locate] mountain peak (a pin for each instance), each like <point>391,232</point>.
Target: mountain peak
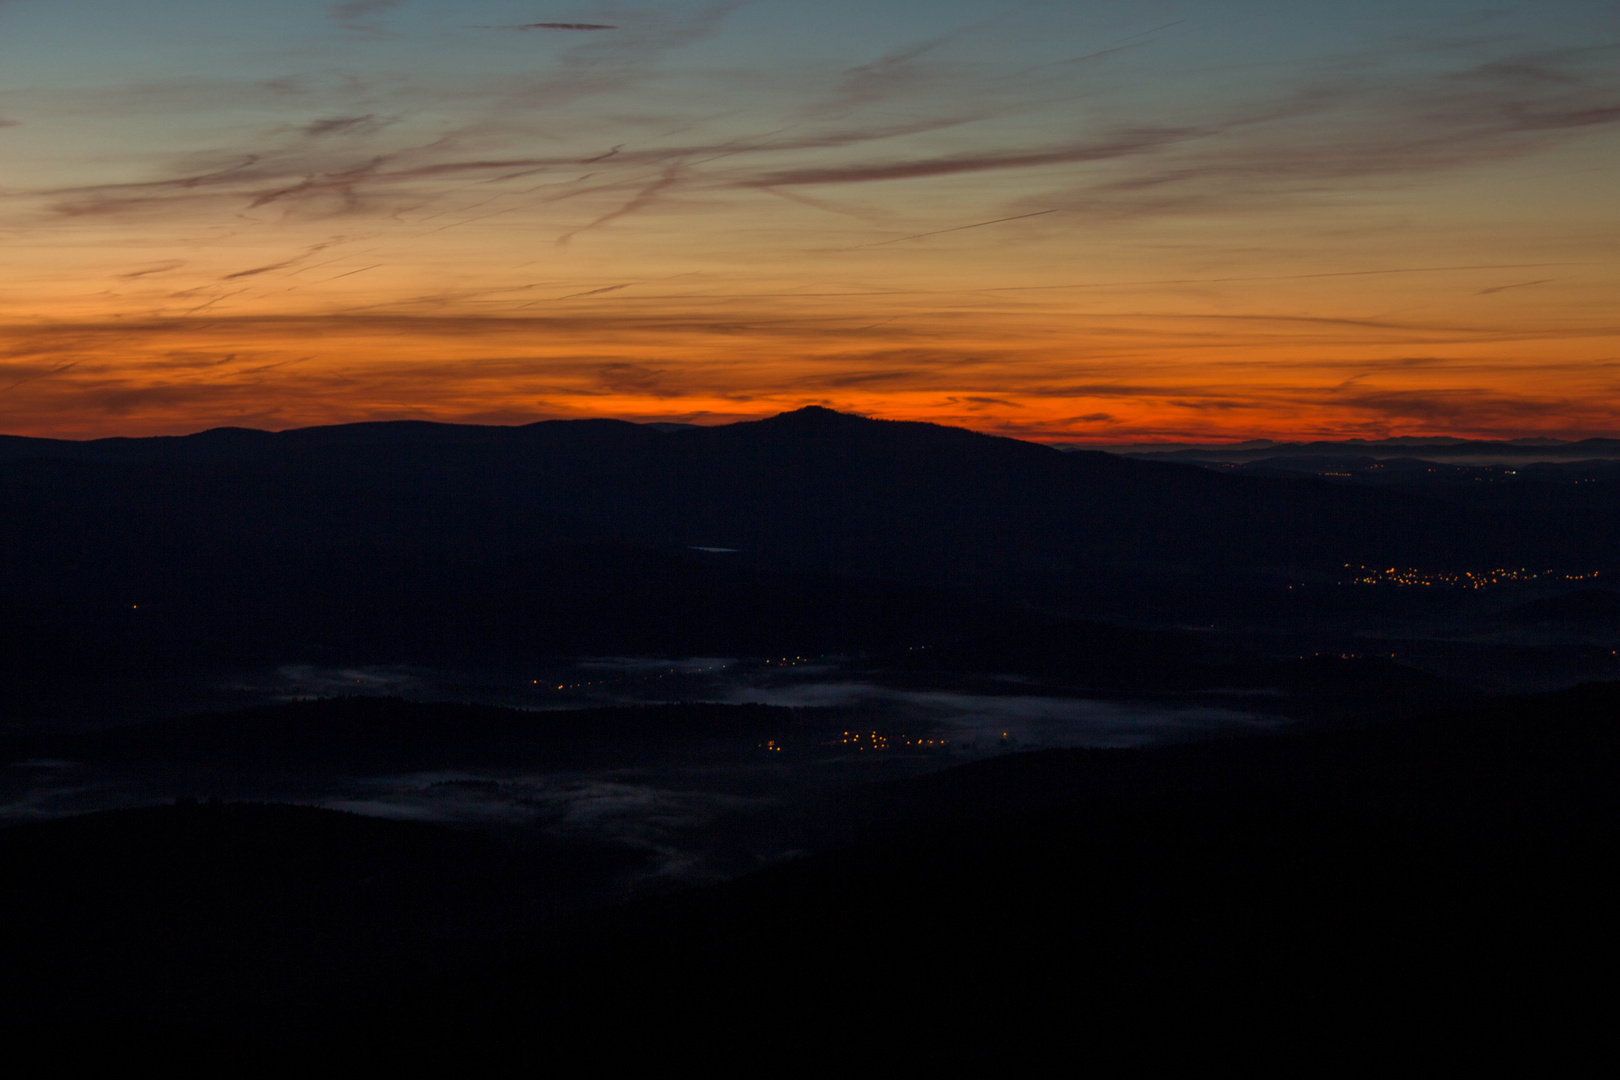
<point>817,417</point>
<point>818,412</point>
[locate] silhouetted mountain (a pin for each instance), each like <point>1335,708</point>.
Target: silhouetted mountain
<point>430,542</point>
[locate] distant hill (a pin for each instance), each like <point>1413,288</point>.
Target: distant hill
<point>1114,660</point>
<point>1435,448</point>
<point>1504,487</point>
<point>1586,605</point>
<point>809,530</point>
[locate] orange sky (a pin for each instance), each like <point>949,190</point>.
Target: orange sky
<point>1129,223</point>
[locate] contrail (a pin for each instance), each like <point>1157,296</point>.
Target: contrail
<point>959,228</point>
<point>551,26</point>
<point>41,375</point>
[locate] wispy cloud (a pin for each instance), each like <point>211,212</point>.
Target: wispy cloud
<point>339,125</point>
<point>1327,131</point>
<point>361,14</point>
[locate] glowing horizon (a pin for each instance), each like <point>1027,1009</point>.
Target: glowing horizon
<point>1117,223</point>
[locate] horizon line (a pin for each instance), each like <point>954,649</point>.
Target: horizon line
<point>1526,441</point>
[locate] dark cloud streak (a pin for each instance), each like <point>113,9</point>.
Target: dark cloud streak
<point>551,26</point>
<point>343,125</point>
<point>361,14</point>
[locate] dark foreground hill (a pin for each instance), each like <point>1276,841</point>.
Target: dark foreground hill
<point>1433,880</point>
<point>169,914</point>
<point>810,531</point>
<point>1430,886</point>
<point>373,735</point>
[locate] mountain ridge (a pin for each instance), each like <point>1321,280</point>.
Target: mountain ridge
<point>382,538</point>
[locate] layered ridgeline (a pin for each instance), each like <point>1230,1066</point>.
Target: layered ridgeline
<point>1430,448</point>
<point>812,530</point>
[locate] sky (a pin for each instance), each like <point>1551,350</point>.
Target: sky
<point>1066,221</point>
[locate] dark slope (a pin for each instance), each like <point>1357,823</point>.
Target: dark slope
<point>440,543</point>
<point>387,734</point>
<point>179,912</point>
<point>1443,880</point>
<point>1544,760</point>
<point>1432,881</point>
